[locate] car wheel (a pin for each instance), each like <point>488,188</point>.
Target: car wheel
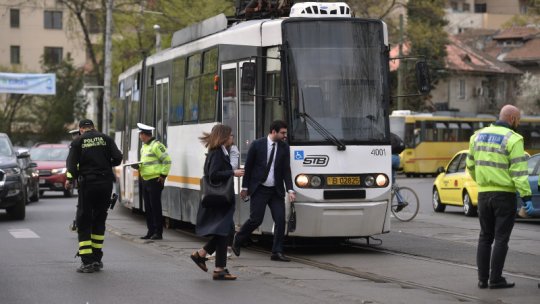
<point>436,201</point>
<point>68,193</point>
<point>41,193</point>
<point>18,212</point>
<point>468,207</point>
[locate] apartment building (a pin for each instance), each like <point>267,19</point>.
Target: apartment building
<point>485,14</point>
<point>34,29</point>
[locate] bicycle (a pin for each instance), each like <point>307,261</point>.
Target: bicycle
<point>405,195</point>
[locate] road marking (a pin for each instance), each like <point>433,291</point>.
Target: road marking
<point>23,234</point>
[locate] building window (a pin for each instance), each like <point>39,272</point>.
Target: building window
<point>53,20</point>
<point>454,6</point>
<point>92,20</point>
<point>52,55</point>
<point>466,7</point>
<point>14,18</point>
<point>15,54</point>
<point>461,88</point>
<point>480,8</point>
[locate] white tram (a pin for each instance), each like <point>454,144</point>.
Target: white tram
<point>322,71</point>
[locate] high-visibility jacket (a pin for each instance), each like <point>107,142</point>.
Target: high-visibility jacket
<point>497,160</point>
<point>155,161</point>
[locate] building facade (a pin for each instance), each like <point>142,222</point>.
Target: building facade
<point>485,14</point>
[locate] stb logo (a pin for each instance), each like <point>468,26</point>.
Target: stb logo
<point>316,161</point>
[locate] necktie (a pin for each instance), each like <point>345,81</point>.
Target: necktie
<point>270,161</point>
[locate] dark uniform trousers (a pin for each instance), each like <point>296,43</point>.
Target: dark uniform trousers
<point>152,205</point>
<point>265,196</point>
<point>94,200</point>
<point>497,213</point>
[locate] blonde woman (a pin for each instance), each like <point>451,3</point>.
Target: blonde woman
<point>216,222</point>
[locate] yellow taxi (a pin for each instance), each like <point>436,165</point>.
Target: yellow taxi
<point>454,186</point>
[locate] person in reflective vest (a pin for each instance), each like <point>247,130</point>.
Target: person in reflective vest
<point>154,167</point>
<point>90,161</point>
<point>498,164</point>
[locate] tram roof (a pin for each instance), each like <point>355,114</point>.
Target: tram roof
<point>266,32</point>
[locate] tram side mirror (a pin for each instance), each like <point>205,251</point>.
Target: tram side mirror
<point>249,72</point>
<point>422,77</point>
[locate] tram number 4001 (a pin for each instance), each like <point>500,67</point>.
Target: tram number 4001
<point>378,152</point>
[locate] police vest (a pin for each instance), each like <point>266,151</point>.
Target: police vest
<point>497,161</point>
<point>155,161</point>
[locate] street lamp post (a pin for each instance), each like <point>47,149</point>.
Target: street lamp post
<point>158,37</point>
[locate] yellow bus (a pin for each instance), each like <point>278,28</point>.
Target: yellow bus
<point>431,140</point>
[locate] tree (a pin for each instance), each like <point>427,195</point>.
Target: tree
<point>529,94</point>
<point>54,113</point>
<point>427,37</point>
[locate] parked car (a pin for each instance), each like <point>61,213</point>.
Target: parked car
<point>51,163</point>
<point>454,186</point>
<point>30,174</point>
<point>12,183</point>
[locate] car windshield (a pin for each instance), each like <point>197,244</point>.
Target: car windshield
<point>5,147</point>
<point>57,154</point>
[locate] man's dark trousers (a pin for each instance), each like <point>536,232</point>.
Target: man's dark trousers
<point>152,189</point>
<point>497,213</point>
<point>94,200</point>
<point>265,196</point>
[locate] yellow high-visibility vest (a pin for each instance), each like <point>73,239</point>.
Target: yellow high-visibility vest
<point>497,161</point>
<point>155,161</point>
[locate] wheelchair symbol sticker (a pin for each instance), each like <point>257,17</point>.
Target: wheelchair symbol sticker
<point>298,155</point>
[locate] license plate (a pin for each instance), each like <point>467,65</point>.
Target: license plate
<point>41,181</point>
<point>343,180</point>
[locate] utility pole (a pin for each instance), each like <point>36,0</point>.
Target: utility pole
<point>401,65</point>
<point>107,77</point>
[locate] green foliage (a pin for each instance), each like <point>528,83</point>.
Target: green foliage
<point>55,113</point>
<point>135,36</point>
<point>427,37</point>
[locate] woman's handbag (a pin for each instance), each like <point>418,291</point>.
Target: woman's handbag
<point>217,195</point>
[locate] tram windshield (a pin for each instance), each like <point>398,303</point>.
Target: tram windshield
<point>337,75</point>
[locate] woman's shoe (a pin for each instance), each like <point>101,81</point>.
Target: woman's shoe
<point>199,260</point>
<point>223,275</point>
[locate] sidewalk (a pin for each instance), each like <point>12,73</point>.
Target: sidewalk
<point>299,283</point>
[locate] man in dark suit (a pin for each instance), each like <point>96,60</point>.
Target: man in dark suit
<point>267,173</point>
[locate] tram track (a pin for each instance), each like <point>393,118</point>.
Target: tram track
<point>462,297</point>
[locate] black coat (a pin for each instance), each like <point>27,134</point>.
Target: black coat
<point>216,221</point>
<point>255,166</point>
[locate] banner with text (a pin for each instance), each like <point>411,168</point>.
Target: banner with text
<point>14,83</point>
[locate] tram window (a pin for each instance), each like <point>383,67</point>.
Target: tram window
<point>194,65</point>
<point>191,112</point>
<point>176,111</point>
<point>208,94</point>
<point>149,107</point>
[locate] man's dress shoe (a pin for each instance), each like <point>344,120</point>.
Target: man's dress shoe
<point>279,257</point>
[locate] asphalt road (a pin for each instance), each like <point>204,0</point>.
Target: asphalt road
<point>428,260</point>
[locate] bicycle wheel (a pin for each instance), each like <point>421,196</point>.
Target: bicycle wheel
<point>411,210</point>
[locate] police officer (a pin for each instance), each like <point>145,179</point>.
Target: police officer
<point>498,164</point>
<point>154,167</point>
<point>90,161</point>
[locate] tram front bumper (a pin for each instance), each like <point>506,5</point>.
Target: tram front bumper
<point>351,219</point>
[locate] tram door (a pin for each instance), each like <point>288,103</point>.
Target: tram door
<point>162,109</point>
<point>239,114</point>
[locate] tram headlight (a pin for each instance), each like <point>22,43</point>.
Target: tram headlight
<point>369,181</point>
<point>315,181</point>
<point>381,180</point>
<point>302,180</point>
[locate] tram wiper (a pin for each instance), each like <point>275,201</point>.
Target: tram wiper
<point>323,131</point>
